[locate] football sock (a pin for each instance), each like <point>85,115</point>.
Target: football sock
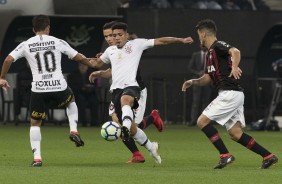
<point>141,138</point>
<point>130,144</point>
<point>72,114</point>
<point>35,140</point>
<point>147,121</point>
<point>213,135</point>
<point>127,116</point>
<point>251,144</point>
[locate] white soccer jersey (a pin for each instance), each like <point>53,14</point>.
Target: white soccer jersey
<point>44,54</point>
<point>125,61</point>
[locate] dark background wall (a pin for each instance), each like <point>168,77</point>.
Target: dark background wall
<point>242,29</point>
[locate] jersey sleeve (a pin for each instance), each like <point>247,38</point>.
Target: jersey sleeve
<point>145,43</point>
<point>18,52</point>
<point>105,56</point>
<point>223,47</point>
<point>66,49</point>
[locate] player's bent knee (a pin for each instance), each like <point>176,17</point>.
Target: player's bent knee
<point>202,121</point>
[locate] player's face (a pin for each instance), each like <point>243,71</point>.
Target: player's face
<point>108,35</point>
<point>120,37</point>
<point>202,36</point>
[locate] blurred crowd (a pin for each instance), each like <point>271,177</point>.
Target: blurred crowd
<point>198,4</point>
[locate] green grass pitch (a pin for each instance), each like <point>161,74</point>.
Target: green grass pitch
<point>187,158</point>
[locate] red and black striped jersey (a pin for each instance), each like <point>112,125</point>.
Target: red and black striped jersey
<point>219,66</point>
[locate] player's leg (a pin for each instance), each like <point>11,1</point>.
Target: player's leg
<point>249,142</point>
<point>213,135</point>
<point>35,142</point>
<point>125,101</point>
<point>37,110</point>
<point>128,102</point>
<point>66,99</point>
<point>141,138</point>
<point>154,117</point>
<point>137,156</point>
<point>127,118</point>
<point>220,110</point>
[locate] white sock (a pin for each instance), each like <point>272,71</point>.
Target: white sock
<point>141,138</point>
<point>72,113</point>
<point>127,116</point>
<point>35,141</point>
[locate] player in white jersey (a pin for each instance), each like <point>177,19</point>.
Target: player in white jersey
<point>141,120</point>
<point>43,53</point>
<point>124,58</point>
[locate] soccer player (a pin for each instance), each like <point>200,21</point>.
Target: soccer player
<point>43,53</point>
<point>226,109</point>
<point>142,121</point>
<point>124,58</point>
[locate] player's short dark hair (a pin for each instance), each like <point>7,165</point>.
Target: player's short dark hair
<point>40,22</point>
<point>120,25</point>
<point>208,25</point>
<point>109,25</point>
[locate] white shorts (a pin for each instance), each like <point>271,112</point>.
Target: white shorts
<point>227,108</point>
<point>140,111</point>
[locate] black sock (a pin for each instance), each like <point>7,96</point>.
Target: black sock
<point>251,144</point>
<point>130,144</point>
<point>147,121</point>
<point>213,135</point>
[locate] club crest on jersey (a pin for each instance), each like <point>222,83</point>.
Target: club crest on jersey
<point>211,68</point>
<point>128,49</point>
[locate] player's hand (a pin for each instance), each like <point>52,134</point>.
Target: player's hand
<point>187,84</point>
<point>188,40</point>
<point>94,75</point>
<point>98,55</point>
<point>236,72</point>
<point>4,84</point>
<point>115,118</point>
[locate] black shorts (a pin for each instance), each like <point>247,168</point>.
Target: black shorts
<point>40,102</point>
<point>133,91</point>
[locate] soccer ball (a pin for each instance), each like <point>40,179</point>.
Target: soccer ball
<point>110,131</point>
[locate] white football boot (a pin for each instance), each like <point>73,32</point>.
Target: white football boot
<point>154,152</point>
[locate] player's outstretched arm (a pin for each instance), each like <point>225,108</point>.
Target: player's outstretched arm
<point>83,60</point>
<point>102,73</point>
<point>5,68</point>
<point>202,81</point>
<point>170,40</point>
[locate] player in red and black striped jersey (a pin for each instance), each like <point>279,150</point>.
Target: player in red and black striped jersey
<point>219,66</point>
<point>227,108</point>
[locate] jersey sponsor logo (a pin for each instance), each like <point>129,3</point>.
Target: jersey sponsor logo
<point>41,115</point>
<point>42,48</point>
<point>41,44</point>
<point>223,43</point>
<point>211,69</point>
<point>79,35</point>
<point>47,83</point>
